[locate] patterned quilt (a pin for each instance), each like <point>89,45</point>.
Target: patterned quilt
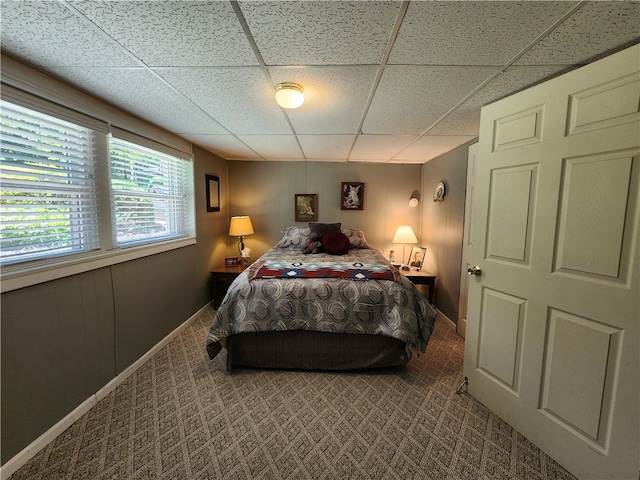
<point>338,304</point>
<point>353,270</point>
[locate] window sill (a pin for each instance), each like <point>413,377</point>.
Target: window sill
<point>21,276</point>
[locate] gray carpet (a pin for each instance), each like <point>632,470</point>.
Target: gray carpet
<point>181,416</point>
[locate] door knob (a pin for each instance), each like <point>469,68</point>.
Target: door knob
<point>475,270</point>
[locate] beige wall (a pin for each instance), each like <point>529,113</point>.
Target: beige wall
<point>442,225</point>
<point>265,191</point>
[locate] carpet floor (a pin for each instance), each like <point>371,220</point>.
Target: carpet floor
<point>181,416</point>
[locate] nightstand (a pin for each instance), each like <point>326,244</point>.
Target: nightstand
<point>221,279</point>
<point>422,277</point>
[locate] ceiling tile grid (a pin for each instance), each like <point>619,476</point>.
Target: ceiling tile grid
<point>173,33</point>
<point>430,147</point>
<point>411,98</point>
<point>274,147</point>
<point>142,94</point>
<point>593,31</point>
<point>225,146</point>
<point>239,98</point>
<point>379,148</point>
<point>385,81</point>
<point>320,32</point>
<point>335,97</point>
<point>326,147</point>
<point>471,33</point>
<point>465,120</point>
<point>46,33</point>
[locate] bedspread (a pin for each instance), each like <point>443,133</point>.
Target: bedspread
<point>393,308</point>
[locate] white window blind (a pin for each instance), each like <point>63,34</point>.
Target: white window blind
<point>151,194</point>
<point>48,204</point>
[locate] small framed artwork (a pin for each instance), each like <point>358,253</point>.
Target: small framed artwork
<point>213,193</point>
<point>231,262</point>
<point>438,194</point>
<point>416,258</point>
<point>351,196</point>
<point>306,207</point>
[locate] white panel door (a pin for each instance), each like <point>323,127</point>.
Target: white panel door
<point>553,318</point>
<point>467,236</point>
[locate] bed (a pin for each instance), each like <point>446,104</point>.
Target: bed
<point>345,308</point>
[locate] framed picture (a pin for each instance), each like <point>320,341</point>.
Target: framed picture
<point>231,261</point>
<point>306,207</point>
<point>416,258</point>
<point>351,196</point>
<point>213,193</point>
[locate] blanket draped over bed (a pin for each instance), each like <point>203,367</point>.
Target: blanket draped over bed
<point>354,293</point>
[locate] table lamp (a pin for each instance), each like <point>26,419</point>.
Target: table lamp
<point>239,227</point>
<point>404,235</point>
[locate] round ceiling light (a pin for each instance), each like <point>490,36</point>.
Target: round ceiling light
<point>289,95</point>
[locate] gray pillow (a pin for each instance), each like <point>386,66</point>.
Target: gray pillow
<point>356,237</point>
<point>294,237</point>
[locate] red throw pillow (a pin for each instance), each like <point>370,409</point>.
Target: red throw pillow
<point>335,243</point>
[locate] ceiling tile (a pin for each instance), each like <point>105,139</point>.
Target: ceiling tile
<point>320,32</point>
<point>409,99</point>
<point>465,120</point>
<point>45,33</point>
<point>379,147</point>
<point>335,97</point>
<point>429,147</point>
<point>137,91</point>
<point>326,147</point>
<point>471,33</point>
<point>162,33</point>
<point>189,66</point>
<point>225,146</point>
<point>589,34</point>
<point>274,147</point>
<point>241,99</point>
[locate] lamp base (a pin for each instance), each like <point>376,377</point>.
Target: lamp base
<point>240,246</point>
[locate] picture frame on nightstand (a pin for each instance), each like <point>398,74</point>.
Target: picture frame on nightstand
<point>231,262</point>
<point>416,258</point>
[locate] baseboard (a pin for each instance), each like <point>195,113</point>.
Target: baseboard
<point>462,329</point>
<point>22,457</point>
<point>450,323</point>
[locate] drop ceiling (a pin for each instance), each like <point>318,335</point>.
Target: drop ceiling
<point>385,81</point>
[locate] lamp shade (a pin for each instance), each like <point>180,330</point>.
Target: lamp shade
<point>405,234</point>
<point>289,95</point>
<point>240,226</point>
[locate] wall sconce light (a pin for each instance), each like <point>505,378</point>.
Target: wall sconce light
<point>239,227</point>
<point>404,235</point>
<point>289,95</point>
<point>414,199</point>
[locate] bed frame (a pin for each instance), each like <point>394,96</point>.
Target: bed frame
<point>310,350</point>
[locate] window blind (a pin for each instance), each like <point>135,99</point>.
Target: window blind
<point>151,193</point>
<point>48,204</point>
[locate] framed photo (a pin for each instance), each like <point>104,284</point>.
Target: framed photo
<point>231,261</point>
<point>213,193</point>
<point>416,258</point>
<point>306,207</point>
<point>351,196</point>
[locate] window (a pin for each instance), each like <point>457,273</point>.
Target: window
<point>150,193</point>
<point>48,201</point>
<point>70,192</point>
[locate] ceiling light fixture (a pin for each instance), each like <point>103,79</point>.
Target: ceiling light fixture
<point>289,95</point>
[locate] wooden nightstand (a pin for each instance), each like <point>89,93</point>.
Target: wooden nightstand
<point>422,277</point>
<point>221,279</point>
